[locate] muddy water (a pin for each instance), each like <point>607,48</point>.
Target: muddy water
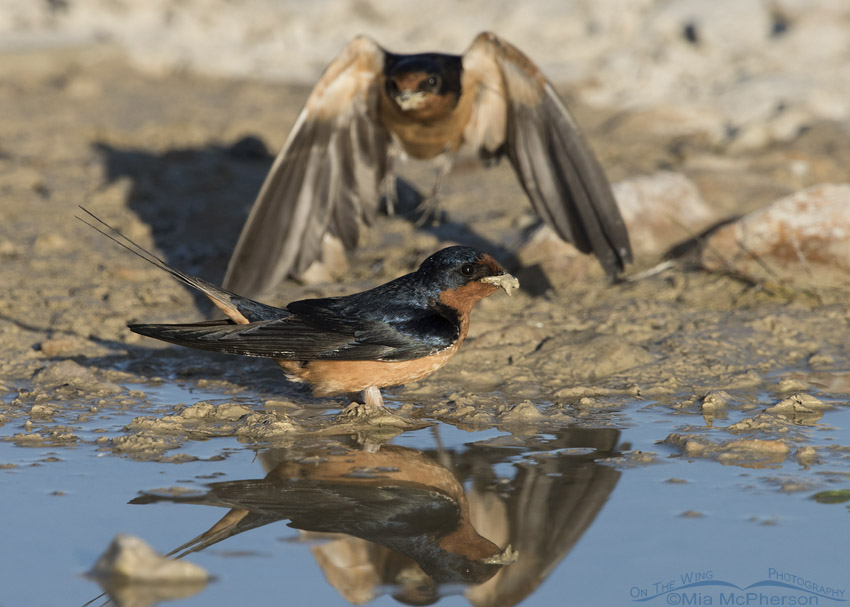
<point>618,436</point>
<point>603,515</point>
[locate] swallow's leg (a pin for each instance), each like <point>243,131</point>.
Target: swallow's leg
<point>388,187</point>
<point>372,397</point>
<point>428,207</point>
<point>443,457</point>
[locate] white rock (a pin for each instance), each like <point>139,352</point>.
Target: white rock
<point>132,559</point>
<point>661,210</point>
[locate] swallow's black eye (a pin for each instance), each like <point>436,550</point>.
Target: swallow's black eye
<point>467,269</point>
<point>466,571</point>
<point>433,82</point>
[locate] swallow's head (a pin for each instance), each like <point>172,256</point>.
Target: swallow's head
<point>463,557</point>
<point>423,85</point>
<point>463,276</point>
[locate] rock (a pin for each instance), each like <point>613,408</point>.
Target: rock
<point>49,243</point>
<point>547,260</point>
<point>58,346</point>
<point>133,573</point>
<point>65,372</point>
<point>265,426</point>
<point>772,448</point>
<point>661,210</point>
<point>806,456</point>
<point>703,121</point>
<point>747,453</point>
<point>803,409</point>
<point>142,445</point>
<point>43,412</point>
<point>714,401</point>
<point>713,406</point>
<point>804,240</point>
<point>792,385</point>
<point>760,423</point>
<point>332,264</point>
<point>523,412</point>
<point>817,361</point>
<point>799,402</point>
<point>734,187</point>
<point>132,559</point>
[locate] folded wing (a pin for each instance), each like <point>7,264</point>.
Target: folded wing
<point>312,336</point>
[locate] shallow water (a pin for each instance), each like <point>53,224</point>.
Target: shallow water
<point>594,518</point>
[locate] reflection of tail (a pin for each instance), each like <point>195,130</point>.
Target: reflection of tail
<point>376,512</point>
<point>232,523</point>
<point>234,306</point>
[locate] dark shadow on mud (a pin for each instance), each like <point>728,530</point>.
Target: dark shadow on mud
<point>194,199</point>
<point>175,364</point>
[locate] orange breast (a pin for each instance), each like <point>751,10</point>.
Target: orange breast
<point>431,130</point>
<point>331,377</point>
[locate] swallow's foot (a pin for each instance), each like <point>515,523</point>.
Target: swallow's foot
<point>372,415</point>
<point>428,212</point>
<point>367,407</point>
<point>389,195</point>
<point>362,410</point>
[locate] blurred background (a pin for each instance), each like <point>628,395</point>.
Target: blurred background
<point>737,66</point>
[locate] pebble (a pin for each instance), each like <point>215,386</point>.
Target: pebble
<point>132,559</point>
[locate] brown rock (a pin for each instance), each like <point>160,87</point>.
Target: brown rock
<point>58,345</point>
<point>802,239</point>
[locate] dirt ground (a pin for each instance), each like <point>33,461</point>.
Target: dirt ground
<point>175,162</point>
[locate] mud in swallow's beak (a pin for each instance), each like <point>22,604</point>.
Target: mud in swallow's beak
<point>508,555</point>
<point>506,281</point>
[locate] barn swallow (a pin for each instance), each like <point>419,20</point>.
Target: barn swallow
<point>371,106</point>
<point>397,333</point>
<point>395,497</point>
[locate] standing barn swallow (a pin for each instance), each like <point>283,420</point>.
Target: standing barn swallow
<point>371,105</point>
<point>397,333</point>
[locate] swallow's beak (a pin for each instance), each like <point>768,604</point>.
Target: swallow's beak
<point>505,281</point>
<point>409,100</point>
<point>506,556</point>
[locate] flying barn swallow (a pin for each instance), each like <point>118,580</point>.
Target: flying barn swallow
<point>371,105</point>
<point>397,333</point>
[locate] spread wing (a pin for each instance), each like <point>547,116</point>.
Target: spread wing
<point>324,180</point>
<point>517,112</point>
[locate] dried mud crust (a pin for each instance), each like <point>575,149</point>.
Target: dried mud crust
<point>175,163</point>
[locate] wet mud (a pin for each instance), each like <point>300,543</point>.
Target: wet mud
<point>175,162</point>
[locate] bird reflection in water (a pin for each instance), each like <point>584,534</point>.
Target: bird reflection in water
<point>399,520</point>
